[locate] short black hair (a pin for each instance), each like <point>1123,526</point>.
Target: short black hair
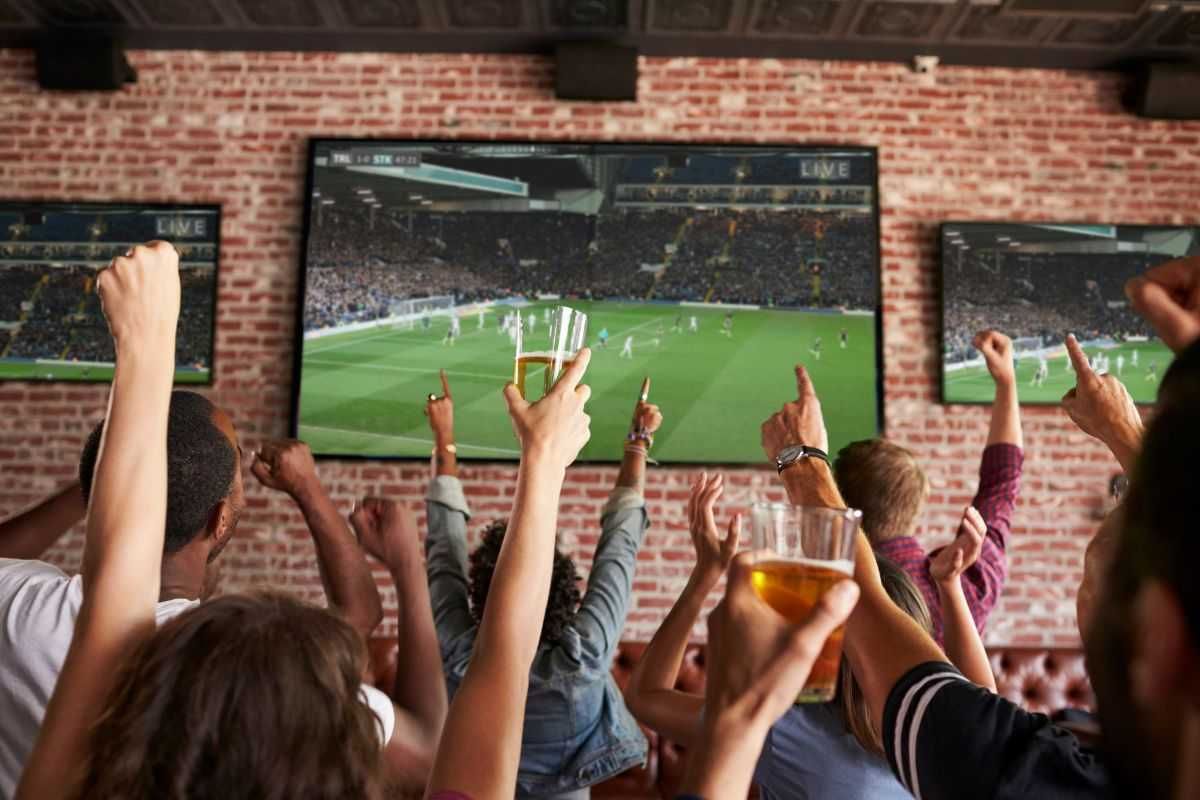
<point>563,602</point>
<point>200,466</point>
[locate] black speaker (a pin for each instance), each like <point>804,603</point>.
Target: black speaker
<point>78,61</point>
<point>1168,91</point>
<point>595,71</point>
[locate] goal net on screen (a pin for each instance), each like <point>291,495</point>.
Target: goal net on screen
<point>408,314</point>
<point>1026,346</point>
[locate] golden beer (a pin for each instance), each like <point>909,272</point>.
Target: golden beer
<point>792,588</point>
<point>529,361</point>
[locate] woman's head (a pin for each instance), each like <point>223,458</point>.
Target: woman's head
<point>564,583</point>
<point>905,594</point>
<point>245,696</point>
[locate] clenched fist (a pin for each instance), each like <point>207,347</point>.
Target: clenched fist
<point>997,351</point>
<point>139,293</point>
<point>285,465</point>
<point>385,529</point>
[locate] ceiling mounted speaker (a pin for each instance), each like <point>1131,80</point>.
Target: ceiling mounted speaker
<point>82,61</point>
<point>1077,8</point>
<point>1168,91</point>
<point>595,71</point>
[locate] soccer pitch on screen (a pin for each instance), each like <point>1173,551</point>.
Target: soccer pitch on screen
<point>84,373</point>
<point>1139,365</point>
<point>363,392</point>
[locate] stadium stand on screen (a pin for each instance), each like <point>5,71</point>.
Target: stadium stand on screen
<point>1039,282</point>
<point>51,325</point>
<point>712,270</point>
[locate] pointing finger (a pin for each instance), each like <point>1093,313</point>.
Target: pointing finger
<point>804,386</point>
<point>1079,359</point>
<point>445,385</point>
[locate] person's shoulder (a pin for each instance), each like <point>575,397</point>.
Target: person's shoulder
<point>26,571</point>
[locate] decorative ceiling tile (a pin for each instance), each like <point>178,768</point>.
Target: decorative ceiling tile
<point>589,13</point>
<point>282,13</point>
<point>1184,32</point>
<point>78,12</point>
<point>989,24</point>
<point>382,13</point>
<point>1098,32</point>
<point>900,20</point>
<point>485,13</point>
<point>692,15</point>
<point>796,17</point>
<point>183,13</point>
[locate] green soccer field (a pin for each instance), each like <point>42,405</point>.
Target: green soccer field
<point>974,384</point>
<point>83,373</point>
<point>363,393</point>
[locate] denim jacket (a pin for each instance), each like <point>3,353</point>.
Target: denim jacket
<point>578,731</point>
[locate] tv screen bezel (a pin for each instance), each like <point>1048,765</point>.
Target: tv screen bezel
<point>302,278</point>
<point>941,276</point>
<point>111,205</point>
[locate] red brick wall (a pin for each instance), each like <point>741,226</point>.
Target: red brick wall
<point>966,143</point>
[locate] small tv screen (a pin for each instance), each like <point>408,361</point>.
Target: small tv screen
<point>51,323</point>
<point>1039,282</point>
<point>712,270</point>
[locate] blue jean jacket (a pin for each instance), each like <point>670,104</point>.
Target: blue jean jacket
<point>578,731</point>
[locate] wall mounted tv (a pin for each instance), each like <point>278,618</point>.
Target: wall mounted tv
<point>659,245</point>
<point>1039,282</point>
<point>51,324</point>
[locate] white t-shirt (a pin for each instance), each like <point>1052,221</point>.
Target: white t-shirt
<point>38,607</point>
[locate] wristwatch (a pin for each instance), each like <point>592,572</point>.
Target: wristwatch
<point>790,455</point>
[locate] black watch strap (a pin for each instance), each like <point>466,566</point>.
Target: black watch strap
<point>790,455</point>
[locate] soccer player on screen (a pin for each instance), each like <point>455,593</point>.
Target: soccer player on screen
<point>693,325</point>
<point>453,332</point>
<point>1043,371</point>
<point>678,326</point>
<point>727,325</point>
<point>627,350</point>
<point>481,316</point>
<point>1120,364</point>
<point>603,337</point>
<point>1134,359</point>
<point>844,338</point>
<point>816,348</point>
<point>1152,372</point>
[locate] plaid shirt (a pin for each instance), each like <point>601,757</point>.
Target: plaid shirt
<point>999,482</point>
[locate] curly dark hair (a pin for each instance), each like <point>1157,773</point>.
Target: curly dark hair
<point>246,697</point>
<point>564,583</point>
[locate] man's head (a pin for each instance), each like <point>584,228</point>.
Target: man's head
<point>204,476</point>
<point>885,482</point>
<point>564,583</point>
<point>1143,642</point>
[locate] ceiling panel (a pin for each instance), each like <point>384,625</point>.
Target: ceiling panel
<point>889,20</point>
<point>182,13</point>
<point>709,16</point>
<point>381,13</point>
<point>796,17</point>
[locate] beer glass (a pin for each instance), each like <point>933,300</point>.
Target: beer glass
<point>551,348</point>
<point>801,552</point>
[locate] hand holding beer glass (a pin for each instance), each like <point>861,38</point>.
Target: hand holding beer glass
<point>800,552</point>
<point>554,348</point>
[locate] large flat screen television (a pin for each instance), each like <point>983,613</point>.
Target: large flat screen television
<point>51,323</point>
<point>711,269</point>
<point>1039,282</point>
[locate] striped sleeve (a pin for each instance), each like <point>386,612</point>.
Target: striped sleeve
<point>947,738</point>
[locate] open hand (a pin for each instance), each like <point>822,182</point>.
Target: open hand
<point>285,465</point>
<point>713,553</point>
<point>798,422</point>
<point>1102,407</point>
<point>554,428</point>
<point>440,411</point>
<point>997,351</point>
<point>139,293</point>
<point>954,559</point>
<point>385,529</point>
<point>1168,296</point>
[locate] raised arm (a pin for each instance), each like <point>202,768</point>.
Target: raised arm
<point>32,532</point>
<point>125,528</point>
<point>997,353</point>
<point>446,514</point>
<point>481,744</point>
<point>287,466</point>
<point>882,642</point>
<point>651,694</point>
<point>623,524</point>
<point>964,648</point>
<point>389,533</point>
<point>1101,406</point>
<point>758,662</point>
<point>1168,296</point>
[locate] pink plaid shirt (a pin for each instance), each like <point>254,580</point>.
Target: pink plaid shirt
<point>999,482</point>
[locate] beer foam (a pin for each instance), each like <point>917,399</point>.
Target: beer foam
<point>843,565</point>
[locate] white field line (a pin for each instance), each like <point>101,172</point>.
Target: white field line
<point>415,439</point>
<point>374,365</point>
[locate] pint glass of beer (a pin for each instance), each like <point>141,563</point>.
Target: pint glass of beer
<point>802,551</point>
<point>545,349</point>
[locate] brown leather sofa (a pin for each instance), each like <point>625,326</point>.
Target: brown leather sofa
<point>1039,679</point>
